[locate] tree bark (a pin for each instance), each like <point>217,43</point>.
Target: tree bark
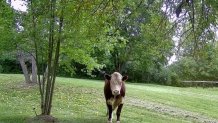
<point>51,65</point>
<point>34,70</point>
<point>57,49</point>
<point>41,83</point>
<point>24,68</point>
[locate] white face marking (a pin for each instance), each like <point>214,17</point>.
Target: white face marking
<point>116,83</point>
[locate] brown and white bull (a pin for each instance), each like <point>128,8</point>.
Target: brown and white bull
<point>114,92</point>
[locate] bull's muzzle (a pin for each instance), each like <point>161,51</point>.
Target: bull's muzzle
<point>116,92</point>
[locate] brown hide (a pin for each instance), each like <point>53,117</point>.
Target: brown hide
<point>108,93</point>
<point>115,83</point>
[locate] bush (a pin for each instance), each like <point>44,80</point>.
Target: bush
<point>8,65</point>
<point>169,77</point>
<point>1,69</point>
<point>175,81</point>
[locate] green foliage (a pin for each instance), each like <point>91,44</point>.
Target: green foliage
<point>6,27</point>
<point>133,37</point>
<point>139,46</point>
<point>171,78</point>
<point>196,43</point>
<point>186,68</point>
<point>8,63</point>
<point>1,69</point>
<point>100,35</point>
<point>190,69</point>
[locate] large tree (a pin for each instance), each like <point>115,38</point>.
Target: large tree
<point>62,31</point>
<point>140,39</point>
<point>195,27</point>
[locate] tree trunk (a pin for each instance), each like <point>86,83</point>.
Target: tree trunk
<point>46,84</point>
<point>34,70</point>
<point>51,62</point>
<point>24,68</point>
<point>56,59</point>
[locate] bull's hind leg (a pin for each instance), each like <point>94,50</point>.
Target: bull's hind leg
<point>119,112</point>
<point>109,113</point>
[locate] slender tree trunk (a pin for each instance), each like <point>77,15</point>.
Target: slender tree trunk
<point>41,83</point>
<point>34,59</point>
<point>34,70</point>
<point>56,55</point>
<point>51,63</point>
<point>46,84</point>
<point>24,68</point>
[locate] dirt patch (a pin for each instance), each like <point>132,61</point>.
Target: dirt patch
<point>43,119</point>
<point>23,85</point>
<point>164,109</point>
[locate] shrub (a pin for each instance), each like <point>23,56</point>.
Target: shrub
<point>1,69</point>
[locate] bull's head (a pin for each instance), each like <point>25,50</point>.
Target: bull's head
<point>116,82</point>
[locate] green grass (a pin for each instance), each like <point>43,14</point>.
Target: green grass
<point>200,100</point>
<point>82,101</point>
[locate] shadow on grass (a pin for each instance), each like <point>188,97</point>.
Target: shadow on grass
<point>73,120</point>
<point>83,120</point>
<point>13,119</point>
<point>23,119</point>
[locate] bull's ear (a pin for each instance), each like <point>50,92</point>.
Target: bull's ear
<point>125,78</point>
<point>108,77</point>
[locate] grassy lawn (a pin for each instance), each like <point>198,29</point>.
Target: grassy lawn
<point>82,101</point>
<point>201,100</point>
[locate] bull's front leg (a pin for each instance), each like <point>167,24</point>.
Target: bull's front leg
<point>109,106</point>
<point>119,109</point>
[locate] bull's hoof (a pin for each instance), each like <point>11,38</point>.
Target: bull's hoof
<point>118,121</point>
<point>109,120</point>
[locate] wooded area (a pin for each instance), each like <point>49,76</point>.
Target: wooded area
<point>137,38</point>
<point>87,38</point>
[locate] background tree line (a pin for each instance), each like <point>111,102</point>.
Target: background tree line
<point>137,38</point>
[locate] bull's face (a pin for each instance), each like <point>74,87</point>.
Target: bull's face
<point>116,81</point>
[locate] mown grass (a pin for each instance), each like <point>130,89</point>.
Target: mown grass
<point>82,101</point>
<point>201,100</point>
